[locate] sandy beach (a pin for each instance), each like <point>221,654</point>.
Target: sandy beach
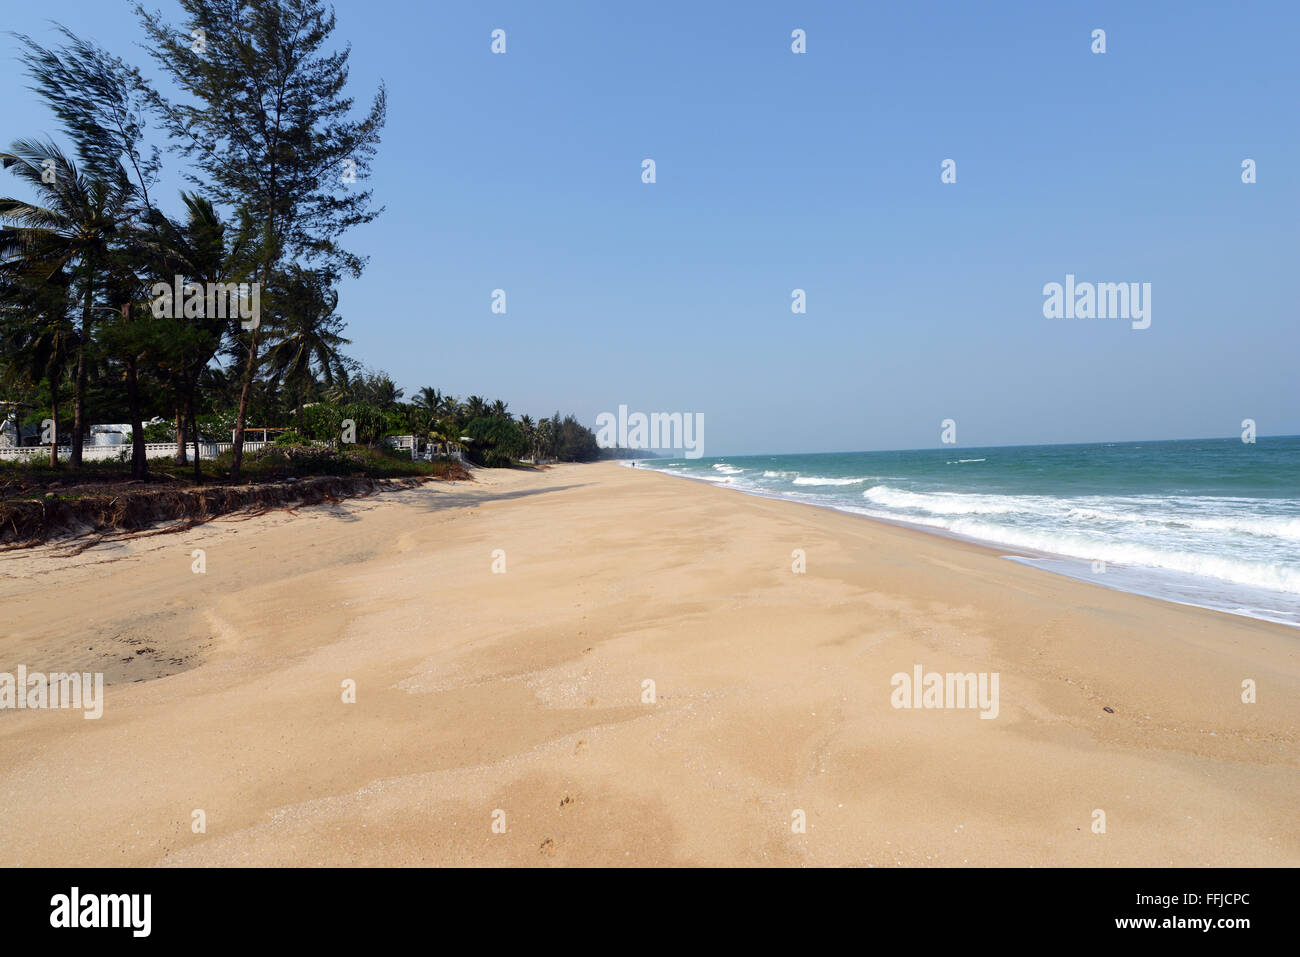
<point>500,635</point>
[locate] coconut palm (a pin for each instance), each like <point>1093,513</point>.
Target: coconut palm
<point>428,398</point>
<point>70,226</point>
<point>309,343</point>
<point>445,437</point>
<point>37,340</point>
<point>529,428</point>
<point>451,408</point>
<point>197,250</point>
<point>425,406</point>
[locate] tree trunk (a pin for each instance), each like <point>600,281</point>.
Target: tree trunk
<point>269,256</point>
<point>194,425</point>
<point>139,461</point>
<point>79,387</point>
<point>180,435</point>
<point>54,418</point>
<point>237,456</point>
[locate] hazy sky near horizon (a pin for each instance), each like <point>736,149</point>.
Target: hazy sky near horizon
<point>819,171</point>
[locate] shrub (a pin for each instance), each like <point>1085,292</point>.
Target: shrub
<point>497,441</point>
<point>159,432</point>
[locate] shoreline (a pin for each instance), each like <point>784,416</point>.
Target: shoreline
<point>1042,559</point>
<point>523,692</point>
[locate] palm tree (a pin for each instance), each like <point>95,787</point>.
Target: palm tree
<point>136,341</point>
<point>475,407</point>
<point>385,391</point>
<point>197,251</point>
<point>451,408</point>
<point>541,438</point>
<point>69,227</point>
<point>529,428</point>
<point>428,398</point>
<point>37,340</point>
<point>429,402</point>
<point>445,436</point>
<point>309,341</point>
<point>449,419</point>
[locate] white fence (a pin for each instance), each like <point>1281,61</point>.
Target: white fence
<point>207,450</point>
<point>110,453</point>
<point>210,450</point>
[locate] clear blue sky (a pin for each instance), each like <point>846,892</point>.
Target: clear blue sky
<point>821,172</point>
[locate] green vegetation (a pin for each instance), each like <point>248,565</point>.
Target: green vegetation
<point>107,304</point>
<point>287,460</point>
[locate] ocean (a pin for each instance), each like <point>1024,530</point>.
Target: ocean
<point>1209,522</point>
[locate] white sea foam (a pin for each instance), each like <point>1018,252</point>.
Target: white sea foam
<point>1203,563</point>
<point>1159,533</point>
<point>1230,516</point>
<point>1241,548</point>
<point>822,480</point>
<point>698,476</point>
<point>1277,526</point>
<point>944,503</point>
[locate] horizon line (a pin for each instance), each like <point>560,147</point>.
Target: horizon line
<point>935,448</point>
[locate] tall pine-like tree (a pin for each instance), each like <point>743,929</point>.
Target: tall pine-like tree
<point>269,127</point>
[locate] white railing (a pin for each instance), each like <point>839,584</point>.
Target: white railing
<point>207,450</point>
<point>109,453</point>
<point>210,450</point>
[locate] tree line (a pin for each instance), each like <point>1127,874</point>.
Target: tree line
<point>275,157</point>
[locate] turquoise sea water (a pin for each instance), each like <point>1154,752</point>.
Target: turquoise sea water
<point>1212,522</point>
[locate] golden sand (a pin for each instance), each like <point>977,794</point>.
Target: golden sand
<point>520,697</point>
